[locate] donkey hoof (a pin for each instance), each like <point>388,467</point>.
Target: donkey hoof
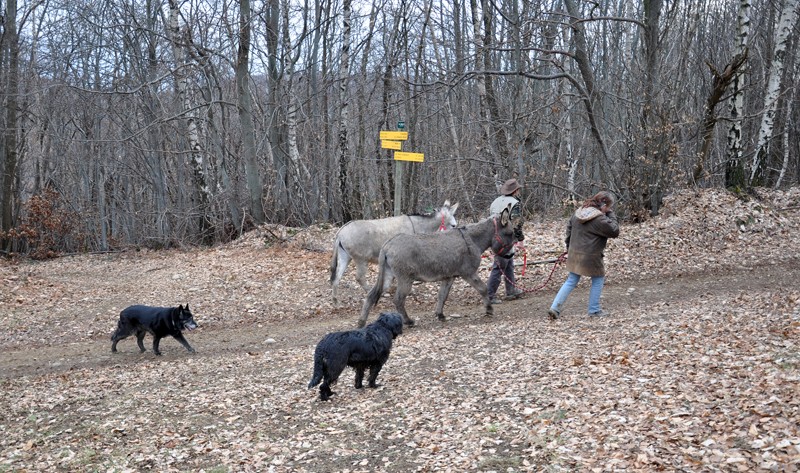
<point>441,317</point>
<point>410,323</point>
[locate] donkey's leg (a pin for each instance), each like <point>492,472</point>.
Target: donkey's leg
<point>444,291</point>
<point>375,293</point>
<point>480,286</point>
<point>342,260</point>
<point>403,290</point>
<point>361,273</point>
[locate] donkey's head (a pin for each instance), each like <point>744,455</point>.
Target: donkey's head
<point>446,216</point>
<point>503,232</point>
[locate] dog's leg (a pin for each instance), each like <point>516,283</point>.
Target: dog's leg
<point>325,392</point>
<point>373,374</point>
<point>156,341</point>
<point>140,340</point>
<point>331,371</point>
<point>114,339</point>
<point>183,341</point>
<point>359,377</point>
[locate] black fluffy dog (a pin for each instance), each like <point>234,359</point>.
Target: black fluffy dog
<point>158,321</point>
<point>360,349</point>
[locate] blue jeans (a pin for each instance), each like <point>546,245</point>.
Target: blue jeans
<point>503,268</point>
<point>569,285</point>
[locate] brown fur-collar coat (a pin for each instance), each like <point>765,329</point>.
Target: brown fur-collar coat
<point>588,231</point>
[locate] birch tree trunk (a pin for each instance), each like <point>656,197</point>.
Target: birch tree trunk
<point>721,81</point>
<point>245,106</point>
<point>196,154</point>
<point>218,166</point>
<point>734,166</point>
<point>300,177</point>
<point>789,122</point>
<point>783,32</point>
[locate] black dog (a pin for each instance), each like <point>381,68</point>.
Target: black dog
<point>158,321</point>
<point>360,349</point>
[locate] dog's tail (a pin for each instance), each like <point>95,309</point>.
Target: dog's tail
<point>319,361</point>
<point>117,330</point>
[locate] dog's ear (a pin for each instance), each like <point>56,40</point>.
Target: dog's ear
<point>187,306</point>
<point>180,307</point>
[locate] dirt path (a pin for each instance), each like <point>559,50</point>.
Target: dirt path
<point>220,340</point>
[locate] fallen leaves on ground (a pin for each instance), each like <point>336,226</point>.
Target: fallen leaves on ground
<point>697,369</point>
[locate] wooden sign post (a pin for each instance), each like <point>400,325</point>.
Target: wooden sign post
<point>393,140</point>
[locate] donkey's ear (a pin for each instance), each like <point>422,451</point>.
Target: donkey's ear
<point>453,208</point>
<point>504,215</point>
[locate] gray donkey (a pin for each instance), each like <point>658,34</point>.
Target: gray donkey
<point>361,240</point>
<point>440,256</point>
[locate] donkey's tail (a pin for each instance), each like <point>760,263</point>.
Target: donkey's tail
<point>335,258</point>
<point>318,367</point>
<point>377,290</point>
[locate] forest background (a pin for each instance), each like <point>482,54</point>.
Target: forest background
<point>148,123</point>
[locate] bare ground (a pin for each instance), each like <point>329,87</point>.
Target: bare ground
<point>697,369</point>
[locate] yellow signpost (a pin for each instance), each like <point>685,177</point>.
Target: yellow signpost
<point>390,144</point>
<point>393,140</point>
<point>394,135</point>
<point>416,157</point>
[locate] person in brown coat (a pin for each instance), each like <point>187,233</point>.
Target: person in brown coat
<point>588,231</point>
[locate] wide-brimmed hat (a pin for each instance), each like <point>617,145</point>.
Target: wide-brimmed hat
<point>509,187</point>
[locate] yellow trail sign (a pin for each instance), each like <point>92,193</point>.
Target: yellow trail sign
<point>401,156</point>
<point>389,144</point>
<point>394,135</point>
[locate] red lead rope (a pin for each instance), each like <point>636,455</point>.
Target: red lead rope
<point>559,260</point>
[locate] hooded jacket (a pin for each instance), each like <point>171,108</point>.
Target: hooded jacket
<point>588,231</point>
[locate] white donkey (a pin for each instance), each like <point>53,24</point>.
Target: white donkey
<point>361,240</point>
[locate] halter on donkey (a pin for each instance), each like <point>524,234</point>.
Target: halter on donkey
<point>441,257</point>
<point>361,240</point>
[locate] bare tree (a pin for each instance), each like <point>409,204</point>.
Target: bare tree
<point>783,30</point>
<point>187,109</point>
<point>720,84</point>
<point>9,65</point>
<point>344,113</point>
<point>734,166</point>
<point>245,104</point>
